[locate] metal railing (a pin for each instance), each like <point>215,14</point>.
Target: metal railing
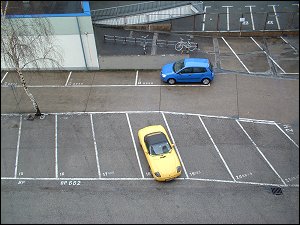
<point>143,7</point>
<point>134,40</point>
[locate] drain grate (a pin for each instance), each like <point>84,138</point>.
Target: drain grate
<point>276,190</point>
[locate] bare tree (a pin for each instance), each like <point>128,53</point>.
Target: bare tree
<point>28,43</point>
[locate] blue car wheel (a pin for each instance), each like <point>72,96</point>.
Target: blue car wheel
<point>171,81</point>
<point>205,81</point>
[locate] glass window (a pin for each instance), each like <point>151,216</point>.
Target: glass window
<point>157,144</point>
<point>187,70</point>
<point>178,65</point>
<point>199,70</point>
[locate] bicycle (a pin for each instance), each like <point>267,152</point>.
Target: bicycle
<point>144,44</point>
<point>190,46</point>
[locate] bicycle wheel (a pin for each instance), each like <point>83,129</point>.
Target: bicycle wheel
<point>192,47</point>
<point>178,46</point>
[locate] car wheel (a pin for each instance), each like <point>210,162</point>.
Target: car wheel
<point>171,81</point>
<point>205,81</point>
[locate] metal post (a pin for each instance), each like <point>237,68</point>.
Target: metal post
<point>81,43</point>
<point>266,21</point>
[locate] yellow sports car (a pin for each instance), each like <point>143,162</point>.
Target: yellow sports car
<point>160,153</point>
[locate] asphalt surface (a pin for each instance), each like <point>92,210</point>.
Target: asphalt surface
<point>238,138</point>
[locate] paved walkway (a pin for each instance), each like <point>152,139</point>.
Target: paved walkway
<point>137,61</point>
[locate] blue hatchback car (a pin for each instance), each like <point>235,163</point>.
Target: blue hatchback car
<point>188,70</point>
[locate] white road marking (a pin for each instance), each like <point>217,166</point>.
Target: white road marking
<point>204,17</point>
<point>113,85</point>
<point>216,147</point>
<point>4,77</point>
<point>186,174</point>
<point>142,179</point>
<point>95,146</point>
<point>227,8</point>
<point>260,152</point>
<point>133,141</point>
<point>56,158</point>
<point>268,55</point>
<point>18,146</point>
<point>251,14</point>
<point>287,135</point>
<point>165,112</point>
<point>236,55</point>
<point>68,78</point>
<point>296,51</point>
<point>276,16</point>
<point>136,77</point>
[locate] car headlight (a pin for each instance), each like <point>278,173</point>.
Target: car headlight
<point>157,174</point>
<point>178,169</point>
<point>163,75</point>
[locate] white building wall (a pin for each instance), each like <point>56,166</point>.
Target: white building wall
<point>75,38</point>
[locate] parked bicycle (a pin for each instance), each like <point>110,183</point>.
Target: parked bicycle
<point>144,44</point>
<point>190,46</point>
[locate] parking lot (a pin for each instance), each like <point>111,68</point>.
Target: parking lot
<point>237,138</point>
<point>104,146</point>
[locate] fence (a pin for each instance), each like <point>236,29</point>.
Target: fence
<point>132,40</point>
<point>255,21</point>
<point>143,7</point>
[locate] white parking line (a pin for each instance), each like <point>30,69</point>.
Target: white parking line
<point>136,77</point>
<point>260,152</point>
<point>276,16</point>
<point>133,141</point>
<point>268,55</point>
<point>68,78</point>
<point>141,179</point>
<point>236,55</point>
<point>296,51</point>
<point>165,112</point>
<point>186,174</point>
<point>217,149</point>
<point>95,146</point>
<point>251,14</point>
<point>18,147</point>
<point>287,135</point>
<point>56,166</point>
<point>112,85</point>
<point>4,77</point>
<point>204,17</point>
<point>227,8</point>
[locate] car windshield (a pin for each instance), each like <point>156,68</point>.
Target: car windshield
<point>178,65</point>
<point>157,144</point>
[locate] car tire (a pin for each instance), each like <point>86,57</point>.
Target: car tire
<point>171,81</point>
<point>205,81</point>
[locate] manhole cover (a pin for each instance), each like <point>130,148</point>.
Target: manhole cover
<point>276,190</point>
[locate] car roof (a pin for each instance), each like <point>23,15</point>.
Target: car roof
<point>155,138</point>
<point>196,62</point>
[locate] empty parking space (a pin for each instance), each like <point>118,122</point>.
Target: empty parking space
<point>79,78</point>
<point>284,55</point>
<point>149,78</point>
<point>116,152</point>
<point>36,155</point>
<point>45,78</point>
<point>243,159</point>
<point>196,148</point>
<point>282,153</point>
<point>10,126</point>
<point>115,78</point>
<point>247,53</point>
<point>75,147</point>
